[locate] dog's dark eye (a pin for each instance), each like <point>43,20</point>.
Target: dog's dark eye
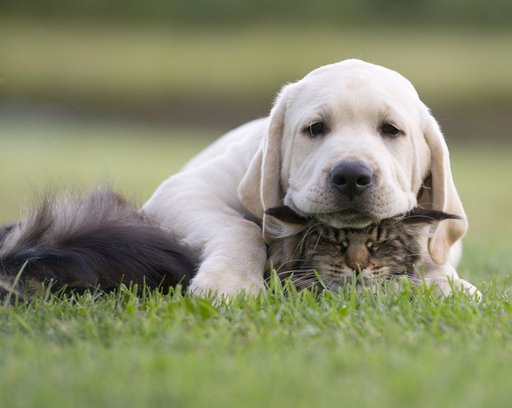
<point>316,129</point>
<point>387,129</point>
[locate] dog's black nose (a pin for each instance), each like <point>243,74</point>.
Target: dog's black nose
<point>351,178</point>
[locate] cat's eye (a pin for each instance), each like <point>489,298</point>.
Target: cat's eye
<point>316,129</point>
<point>344,244</point>
<point>373,245</point>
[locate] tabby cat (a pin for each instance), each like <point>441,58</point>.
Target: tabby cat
<point>316,255</point>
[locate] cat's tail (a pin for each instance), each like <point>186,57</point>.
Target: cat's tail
<point>78,242</point>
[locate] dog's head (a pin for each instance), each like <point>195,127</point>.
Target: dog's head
<point>352,144</point>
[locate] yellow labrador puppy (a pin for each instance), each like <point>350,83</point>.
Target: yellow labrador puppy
<point>350,144</point>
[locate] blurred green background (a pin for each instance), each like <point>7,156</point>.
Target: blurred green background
<point>99,89</point>
<point>128,91</point>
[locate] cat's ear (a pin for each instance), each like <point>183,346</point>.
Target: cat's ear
<point>423,223</point>
<point>283,222</point>
<point>423,216</point>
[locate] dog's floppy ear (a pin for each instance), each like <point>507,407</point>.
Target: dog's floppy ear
<point>249,188</point>
<point>439,194</point>
<point>260,187</point>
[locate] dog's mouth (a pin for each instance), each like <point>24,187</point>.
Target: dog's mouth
<point>348,218</point>
<point>350,212</point>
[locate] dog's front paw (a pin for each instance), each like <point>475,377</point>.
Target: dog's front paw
<point>222,278</point>
<point>446,287</point>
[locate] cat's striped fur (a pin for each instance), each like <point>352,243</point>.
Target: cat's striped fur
<point>390,249</point>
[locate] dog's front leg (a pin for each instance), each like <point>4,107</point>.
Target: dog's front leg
<point>233,260</point>
<point>207,217</point>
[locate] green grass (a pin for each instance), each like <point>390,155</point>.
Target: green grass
<point>396,349</point>
<point>116,64</point>
<point>391,350</point>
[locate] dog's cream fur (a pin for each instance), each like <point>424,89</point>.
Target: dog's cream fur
<point>216,204</point>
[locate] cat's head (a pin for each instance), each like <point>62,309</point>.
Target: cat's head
<point>303,248</point>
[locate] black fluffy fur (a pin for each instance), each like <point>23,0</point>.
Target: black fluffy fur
<point>83,242</point>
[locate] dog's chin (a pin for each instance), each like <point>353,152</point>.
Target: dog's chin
<point>347,219</point>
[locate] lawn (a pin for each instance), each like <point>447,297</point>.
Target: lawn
<point>355,350</point>
<point>396,349</point>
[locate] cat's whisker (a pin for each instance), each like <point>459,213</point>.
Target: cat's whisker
<point>283,264</point>
<point>310,284</point>
<point>297,275</point>
<point>297,272</point>
<point>313,228</point>
<point>303,278</point>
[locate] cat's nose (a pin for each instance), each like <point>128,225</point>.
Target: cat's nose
<point>351,178</point>
<point>357,257</point>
